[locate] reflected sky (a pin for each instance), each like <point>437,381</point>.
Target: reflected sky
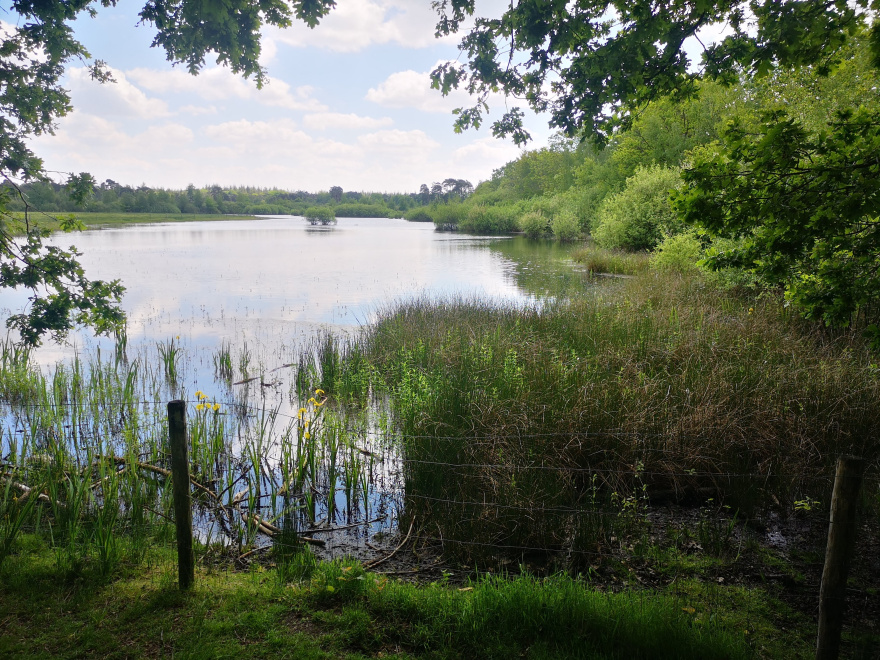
<point>279,280</point>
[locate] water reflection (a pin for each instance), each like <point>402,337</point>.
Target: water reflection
<point>278,279</point>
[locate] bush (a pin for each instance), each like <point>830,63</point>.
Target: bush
<point>566,227</point>
<point>320,215</point>
<point>418,214</point>
<point>678,254</point>
<point>447,217</point>
<point>533,224</point>
<point>481,219</point>
<point>640,216</point>
<point>731,277</point>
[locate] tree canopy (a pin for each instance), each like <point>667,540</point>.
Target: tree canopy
<point>591,63</point>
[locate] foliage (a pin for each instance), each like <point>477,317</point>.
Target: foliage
<point>320,215</point>
<point>664,131</point>
<point>805,205</point>
<point>613,262</point>
<point>488,220</point>
<point>679,253</point>
<point>533,224</point>
<point>418,214</point>
<point>641,215</point>
<point>60,294</point>
<point>362,211</point>
<point>565,226</point>
<point>590,63</point>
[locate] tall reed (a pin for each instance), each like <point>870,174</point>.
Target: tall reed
<point>517,423</point>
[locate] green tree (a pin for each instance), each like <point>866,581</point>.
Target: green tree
<point>805,205</point>
<point>590,64</point>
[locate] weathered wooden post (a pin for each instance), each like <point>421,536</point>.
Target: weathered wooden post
<point>841,541</point>
<point>181,492</point>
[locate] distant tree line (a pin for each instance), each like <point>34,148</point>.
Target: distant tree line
<point>113,197</point>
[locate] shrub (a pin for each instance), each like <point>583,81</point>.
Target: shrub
<point>679,253</point>
<point>731,277</point>
<point>638,217</point>
<point>446,217</point>
<point>418,214</point>
<point>566,227</point>
<point>481,219</point>
<point>533,224</point>
<point>320,215</point>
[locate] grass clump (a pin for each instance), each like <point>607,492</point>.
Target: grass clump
<point>611,262</point>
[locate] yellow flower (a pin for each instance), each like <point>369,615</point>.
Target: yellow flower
<point>201,406</point>
<point>216,407</point>
<point>199,394</point>
<point>306,423</point>
<point>312,401</point>
<point>307,435</point>
<point>751,310</point>
<point>319,392</point>
<point>302,411</point>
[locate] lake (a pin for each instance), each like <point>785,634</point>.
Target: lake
<point>274,282</point>
<point>264,290</point>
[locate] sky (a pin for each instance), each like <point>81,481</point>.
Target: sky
<point>348,104</point>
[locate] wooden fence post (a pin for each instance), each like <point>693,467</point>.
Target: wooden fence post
<point>181,492</point>
<point>841,541</point>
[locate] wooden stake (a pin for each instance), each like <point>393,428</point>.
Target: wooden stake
<point>181,492</point>
<point>841,541</point>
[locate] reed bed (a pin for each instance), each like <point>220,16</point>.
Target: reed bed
<point>84,460</point>
<point>550,429</point>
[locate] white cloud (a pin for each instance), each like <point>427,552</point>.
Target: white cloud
<point>198,110</point>
<point>481,156</point>
<point>398,141</point>
<point>412,89</point>
<point>339,121</point>
<point>357,24</point>
<point>119,99</point>
<point>219,83</point>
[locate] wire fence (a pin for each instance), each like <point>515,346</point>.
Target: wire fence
<point>441,515</point>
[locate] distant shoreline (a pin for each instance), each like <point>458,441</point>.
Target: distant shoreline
<point>94,221</point>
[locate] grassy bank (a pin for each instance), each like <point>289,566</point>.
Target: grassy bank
<point>337,610</point>
<point>16,226</point>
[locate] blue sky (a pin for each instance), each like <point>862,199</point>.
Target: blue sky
<point>348,104</point>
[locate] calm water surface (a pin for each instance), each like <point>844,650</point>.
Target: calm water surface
<point>273,282</point>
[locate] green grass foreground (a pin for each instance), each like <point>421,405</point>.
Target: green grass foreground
<point>338,610</point>
<point>103,220</point>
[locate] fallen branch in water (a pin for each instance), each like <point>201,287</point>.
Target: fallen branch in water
<point>26,492</point>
